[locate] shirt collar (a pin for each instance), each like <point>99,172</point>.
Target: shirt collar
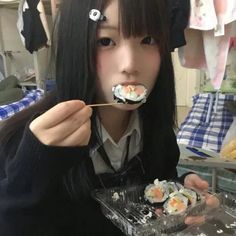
<point>134,128</point>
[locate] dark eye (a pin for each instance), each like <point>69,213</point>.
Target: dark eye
<point>149,40</point>
<point>104,42</point>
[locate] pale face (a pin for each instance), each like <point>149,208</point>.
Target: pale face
<point>123,61</point>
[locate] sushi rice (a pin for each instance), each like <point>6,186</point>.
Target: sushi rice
<point>176,204</point>
<point>190,194</point>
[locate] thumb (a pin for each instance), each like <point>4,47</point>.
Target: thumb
<point>194,181</point>
<point>202,185</point>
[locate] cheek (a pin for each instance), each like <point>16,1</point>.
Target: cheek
<point>153,68</point>
<point>155,62</point>
<point>104,72</point>
<point>103,64</point>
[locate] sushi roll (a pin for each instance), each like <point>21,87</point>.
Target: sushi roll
<point>176,204</point>
<point>156,193</point>
<point>130,93</point>
<point>179,186</point>
<point>157,182</point>
<point>172,187</point>
<point>190,194</point>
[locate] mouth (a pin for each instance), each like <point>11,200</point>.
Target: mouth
<point>130,93</point>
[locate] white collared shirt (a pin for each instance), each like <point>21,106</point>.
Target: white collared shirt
<point>117,151</point>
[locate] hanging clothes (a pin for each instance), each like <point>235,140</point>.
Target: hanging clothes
<point>179,11</point>
<point>211,25</point>
<point>32,25</point>
<point>204,127</point>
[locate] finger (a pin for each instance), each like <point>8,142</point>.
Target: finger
<point>80,137</point>
<point>201,185</point>
<point>69,125</point>
<point>59,113</point>
<point>195,220</point>
<point>159,212</point>
<point>195,182</point>
<point>212,201</point>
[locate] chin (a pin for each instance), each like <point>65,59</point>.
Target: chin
<point>128,107</point>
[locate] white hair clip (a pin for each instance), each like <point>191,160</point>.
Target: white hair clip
<point>96,15</point>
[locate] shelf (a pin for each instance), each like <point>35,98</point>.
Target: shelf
<point>209,162</point>
<point>24,84</point>
<point>213,163</point>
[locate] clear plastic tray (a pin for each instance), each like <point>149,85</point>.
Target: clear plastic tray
<point>129,211</point>
<point>219,221</point>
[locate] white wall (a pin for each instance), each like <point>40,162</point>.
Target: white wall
<point>187,82</point>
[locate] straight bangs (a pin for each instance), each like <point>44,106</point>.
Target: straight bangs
<point>145,17</point>
<point>75,49</point>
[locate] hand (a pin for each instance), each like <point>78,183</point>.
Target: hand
<point>193,181</point>
<point>66,124</point>
<point>211,202</point>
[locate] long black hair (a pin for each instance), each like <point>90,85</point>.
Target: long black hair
<point>76,61</point>
<point>76,70</point>
<point>76,50</point>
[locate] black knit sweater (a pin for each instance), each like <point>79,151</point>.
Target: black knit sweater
<point>36,194</point>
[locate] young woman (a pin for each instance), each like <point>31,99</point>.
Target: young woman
<point>56,153</point>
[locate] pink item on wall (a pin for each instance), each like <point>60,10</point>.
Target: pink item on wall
<point>208,37</point>
<point>233,42</point>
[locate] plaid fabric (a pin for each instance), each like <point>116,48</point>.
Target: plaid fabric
<point>207,122</point>
<point>31,97</point>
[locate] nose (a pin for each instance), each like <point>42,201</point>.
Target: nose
<point>129,60</point>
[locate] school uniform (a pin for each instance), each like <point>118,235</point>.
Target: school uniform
<point>36,194</point>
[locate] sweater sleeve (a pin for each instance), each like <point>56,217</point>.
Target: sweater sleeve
<point>162,162</point>
<point>31,180</point>
<point>173,153</point>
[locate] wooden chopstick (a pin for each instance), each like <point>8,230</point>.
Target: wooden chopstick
<point>104,104</point>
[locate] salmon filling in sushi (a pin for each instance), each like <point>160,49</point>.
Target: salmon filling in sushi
<point>156,193</point>
<point>130,93</point>
<point>176,204</point>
